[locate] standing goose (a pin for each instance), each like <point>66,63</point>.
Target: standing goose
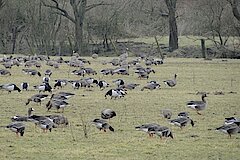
<point>108,113</point>
<point>46,124</point>
<point>10,87</point>
<point>151,86</point>
<point>198,105</point>
<point>182,121</point>
<point>24,86</point>
<point>171,83</point>
<point>17,127</point>
<point>229,129</point>
<point>38,98</point>
<point>102,125</point>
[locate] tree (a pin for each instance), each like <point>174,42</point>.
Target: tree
<point>173,31</point>
<point>79,9</point>
<point>235,11</point>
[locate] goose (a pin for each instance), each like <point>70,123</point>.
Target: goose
<point>145,128</point>
<point>182,114</point>
<point>66,94</point>
<point>161,131</point>
<point>198,105</point>
<point>24,86</point>
<point>171,83</point>
<point>57,104</point>
<point>229,129</point>
<point>108,114</point>
<point>115,93</point>
<point>48,72</point>
<point>31,72</point>
<point>46,124</point>
<point>106,71</point>
<point>75,84</point>
<point>90,80</point>
<point>90,71</point>
<point>58,97</point>
<point>167,113</point>
<point>102,84</point>
<point>23,118</point>
<point>130,86</point>
<point>43,87</point>
<point>231,120</point>
<point>181,121</point>
<point>102,125</point>
<point>59,119</point>
<point>60,83</point>
<point>17,127</point>
<point>10,87</point>
<point>151,86</point>
<point>5,72</point>
<point>119,82</point>
<point>38,98</point>
<point>46,79</point>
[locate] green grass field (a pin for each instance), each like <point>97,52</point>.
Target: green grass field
<point>136,108</point>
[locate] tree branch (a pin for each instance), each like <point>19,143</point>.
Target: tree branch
<point>235,10</point>
<point>60,10</point>
<point>89,7</point>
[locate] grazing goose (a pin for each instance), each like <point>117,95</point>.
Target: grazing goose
<point>46,124</point>
<point>66,94</point>
<point>108,113</point>
<point>119,82</point>
<point>161,131</point>
<point>115,93</point>
<point>106,71</point>
<point>167,113</point>
<point>5,72</point>
<point>182,114</point>
<point>23,118</point>
<point>103,84</point>
<point>57,104</point>
<point>24,86</point>
<point>10,87</point>
<point>60,83</point>
<point>38,98</point>
<point>59,120</point>
<point>130,86</point>
<point>182,121</point>
<point>198,105</point>
<point>48,72</point>
<point>171,83</point>
<point>58,97</point>
<point>31,72</point>
<point>229,129</point>
<point>151,86</point>
<point>145,128</point>
<point>17,127</point>
<point>102,125</point>
<point>43,87</point>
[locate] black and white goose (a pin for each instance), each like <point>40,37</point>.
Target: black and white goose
<point>5,72</point>
<point>46,79</point>
<point>75,84</point>
<point>198,105</point>
<point>115,93</point>
<point>37,98</point>
<point>182,122</point>
<point>24,86</point>
<point>172,82</point>
<point>43,87</point>
<point>60,83</point>
<point>10,87</point>
<point>17,127</point>
<point>108,114</point>
<point>230,120</point>
<point>32,72</point>
<point>102,84</point>
<point>119,82</point>
<point>102,125</point>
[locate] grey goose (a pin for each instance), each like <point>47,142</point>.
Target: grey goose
<point>171,83</point>
<point>182,122</point>
<point>102,125</point>
<point>198,105</point>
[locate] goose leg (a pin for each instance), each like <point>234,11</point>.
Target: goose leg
<point>199,113</point>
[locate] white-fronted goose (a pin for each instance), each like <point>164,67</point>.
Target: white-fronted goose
<point>171,83</point>
<point>17,127</point>
<point>102,125</point>
<point>182,122</point>
<point>198,105</point>
<point>145,128</point>
<point>37,98</point>
<point>151,86</point>
<point>161,131</point>
<point>58,104</point>
<point>229,129</point>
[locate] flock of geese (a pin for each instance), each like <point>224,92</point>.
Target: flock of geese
<point>60,100</point>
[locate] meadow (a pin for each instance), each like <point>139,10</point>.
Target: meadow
<point>136,108</point>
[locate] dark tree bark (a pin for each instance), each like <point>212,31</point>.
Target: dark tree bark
<point>79,8</point>
<point>173,31</point>
<point>234,5</point>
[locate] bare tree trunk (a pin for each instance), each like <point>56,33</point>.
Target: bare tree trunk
<point>173,31</point>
